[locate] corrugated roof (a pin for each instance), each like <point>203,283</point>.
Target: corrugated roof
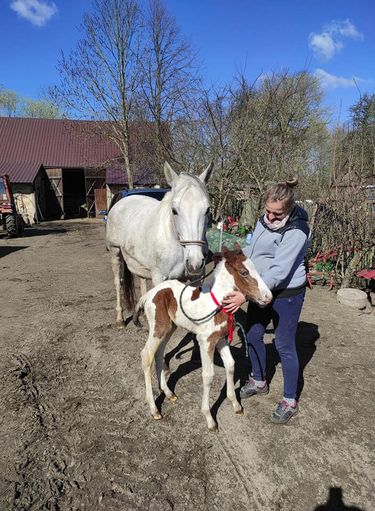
<point>26,143</point>
<point>20,172</point>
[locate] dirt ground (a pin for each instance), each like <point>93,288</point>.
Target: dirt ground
<point>75,432</point>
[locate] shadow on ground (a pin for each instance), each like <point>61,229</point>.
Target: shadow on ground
<point>42,231</point>
<point>335,502</point>
<point>307,335</point>
<point>4,251</point>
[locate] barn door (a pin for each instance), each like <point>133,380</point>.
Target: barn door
<point>94,179</point>
<point>55,178</point>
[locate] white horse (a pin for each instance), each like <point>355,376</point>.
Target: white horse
<point>158,240</point>
<point>166,308</point>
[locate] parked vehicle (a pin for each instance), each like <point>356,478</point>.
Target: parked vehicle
<point>155,193</point>
<point>10,220</point>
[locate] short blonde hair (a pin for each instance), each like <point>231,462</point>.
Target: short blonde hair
<point>282,192</point>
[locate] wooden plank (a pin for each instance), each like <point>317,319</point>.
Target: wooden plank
<point>100,201</point>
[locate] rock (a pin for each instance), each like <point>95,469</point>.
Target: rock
<point>352,297</point>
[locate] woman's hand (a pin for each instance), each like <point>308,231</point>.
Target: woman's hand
<point>233,301</point>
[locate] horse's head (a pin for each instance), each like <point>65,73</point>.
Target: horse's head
<point>245,277</point>
<point>190,206</point>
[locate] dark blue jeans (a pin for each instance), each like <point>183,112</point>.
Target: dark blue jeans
<point>284,313</point>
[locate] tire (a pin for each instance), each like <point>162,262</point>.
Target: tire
<point>11,225</point>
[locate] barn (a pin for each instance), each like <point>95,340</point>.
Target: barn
<point>61,168</point>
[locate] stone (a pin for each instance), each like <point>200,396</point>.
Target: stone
<point>354,298</point>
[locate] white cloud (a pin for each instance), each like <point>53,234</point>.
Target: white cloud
<point>329,41</point>
<point>329,81</point>
<point>345,28</point>
<point>35,11</point>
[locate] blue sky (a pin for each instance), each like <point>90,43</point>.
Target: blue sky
<point>333,38</point>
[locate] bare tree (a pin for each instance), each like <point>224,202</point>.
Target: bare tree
<point>100,79</point>
<point>170,74</point>
<point>276,124</point>
<point>216,110</point>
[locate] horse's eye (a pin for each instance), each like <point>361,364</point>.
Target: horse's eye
<point>174,211</point>
<point>244,273</point>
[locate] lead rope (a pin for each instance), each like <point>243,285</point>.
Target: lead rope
<point>211,314</point>
<point>230,318</point>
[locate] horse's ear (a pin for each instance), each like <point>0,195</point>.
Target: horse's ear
<point>170,174</point>
<point>206,174</point>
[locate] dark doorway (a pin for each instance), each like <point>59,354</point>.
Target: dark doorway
<point>74,193</point>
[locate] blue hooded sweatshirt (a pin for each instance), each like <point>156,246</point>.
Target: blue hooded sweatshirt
<point>279,255</point>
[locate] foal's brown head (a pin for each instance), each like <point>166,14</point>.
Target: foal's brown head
<point>246,278</point>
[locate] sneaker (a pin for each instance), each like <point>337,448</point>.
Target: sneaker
<point>251,389</point>
<point>284,412</point>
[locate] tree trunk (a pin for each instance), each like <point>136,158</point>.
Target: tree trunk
<point>348,275</point>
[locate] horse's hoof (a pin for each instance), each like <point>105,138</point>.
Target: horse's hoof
<point>239,412</point>
<point>120,324</point>
<point>214,429</point>
<point>157,416</point>
<point>173,397</point>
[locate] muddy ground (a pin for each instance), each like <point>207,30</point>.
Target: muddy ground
<point>75,432</point>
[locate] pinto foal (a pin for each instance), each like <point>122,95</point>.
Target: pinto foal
<point>162,308</point>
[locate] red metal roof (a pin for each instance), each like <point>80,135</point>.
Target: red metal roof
<point>26,144</point>
<point>20,172</point>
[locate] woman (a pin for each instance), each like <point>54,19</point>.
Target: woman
<point>277,248</point>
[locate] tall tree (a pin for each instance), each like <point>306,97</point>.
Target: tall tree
<point>278,126</point>
<point>100,79</point>
<point>41,109</point>
<point>9,102</point>
<point>363,133</point>
<point>170,77</point>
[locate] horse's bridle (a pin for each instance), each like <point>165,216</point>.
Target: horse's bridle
<point>184,243</point>
<point>192,242</point>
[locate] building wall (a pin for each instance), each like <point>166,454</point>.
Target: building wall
<point>24,198</point>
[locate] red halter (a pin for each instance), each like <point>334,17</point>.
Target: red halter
<point>230,317</point>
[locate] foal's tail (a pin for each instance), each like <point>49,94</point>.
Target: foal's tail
<point>128,286</point>
<point>139,309</point>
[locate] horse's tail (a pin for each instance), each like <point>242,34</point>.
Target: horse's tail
<point>128,286</point>
<point>139,309</point>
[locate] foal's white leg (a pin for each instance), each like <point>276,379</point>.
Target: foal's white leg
<point>161,370</point>
<point>228,362</point>
<point>117,263</point>
<point>148,355</point>
<point>207,357</point>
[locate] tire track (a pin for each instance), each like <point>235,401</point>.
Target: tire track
<point>42,467</point>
